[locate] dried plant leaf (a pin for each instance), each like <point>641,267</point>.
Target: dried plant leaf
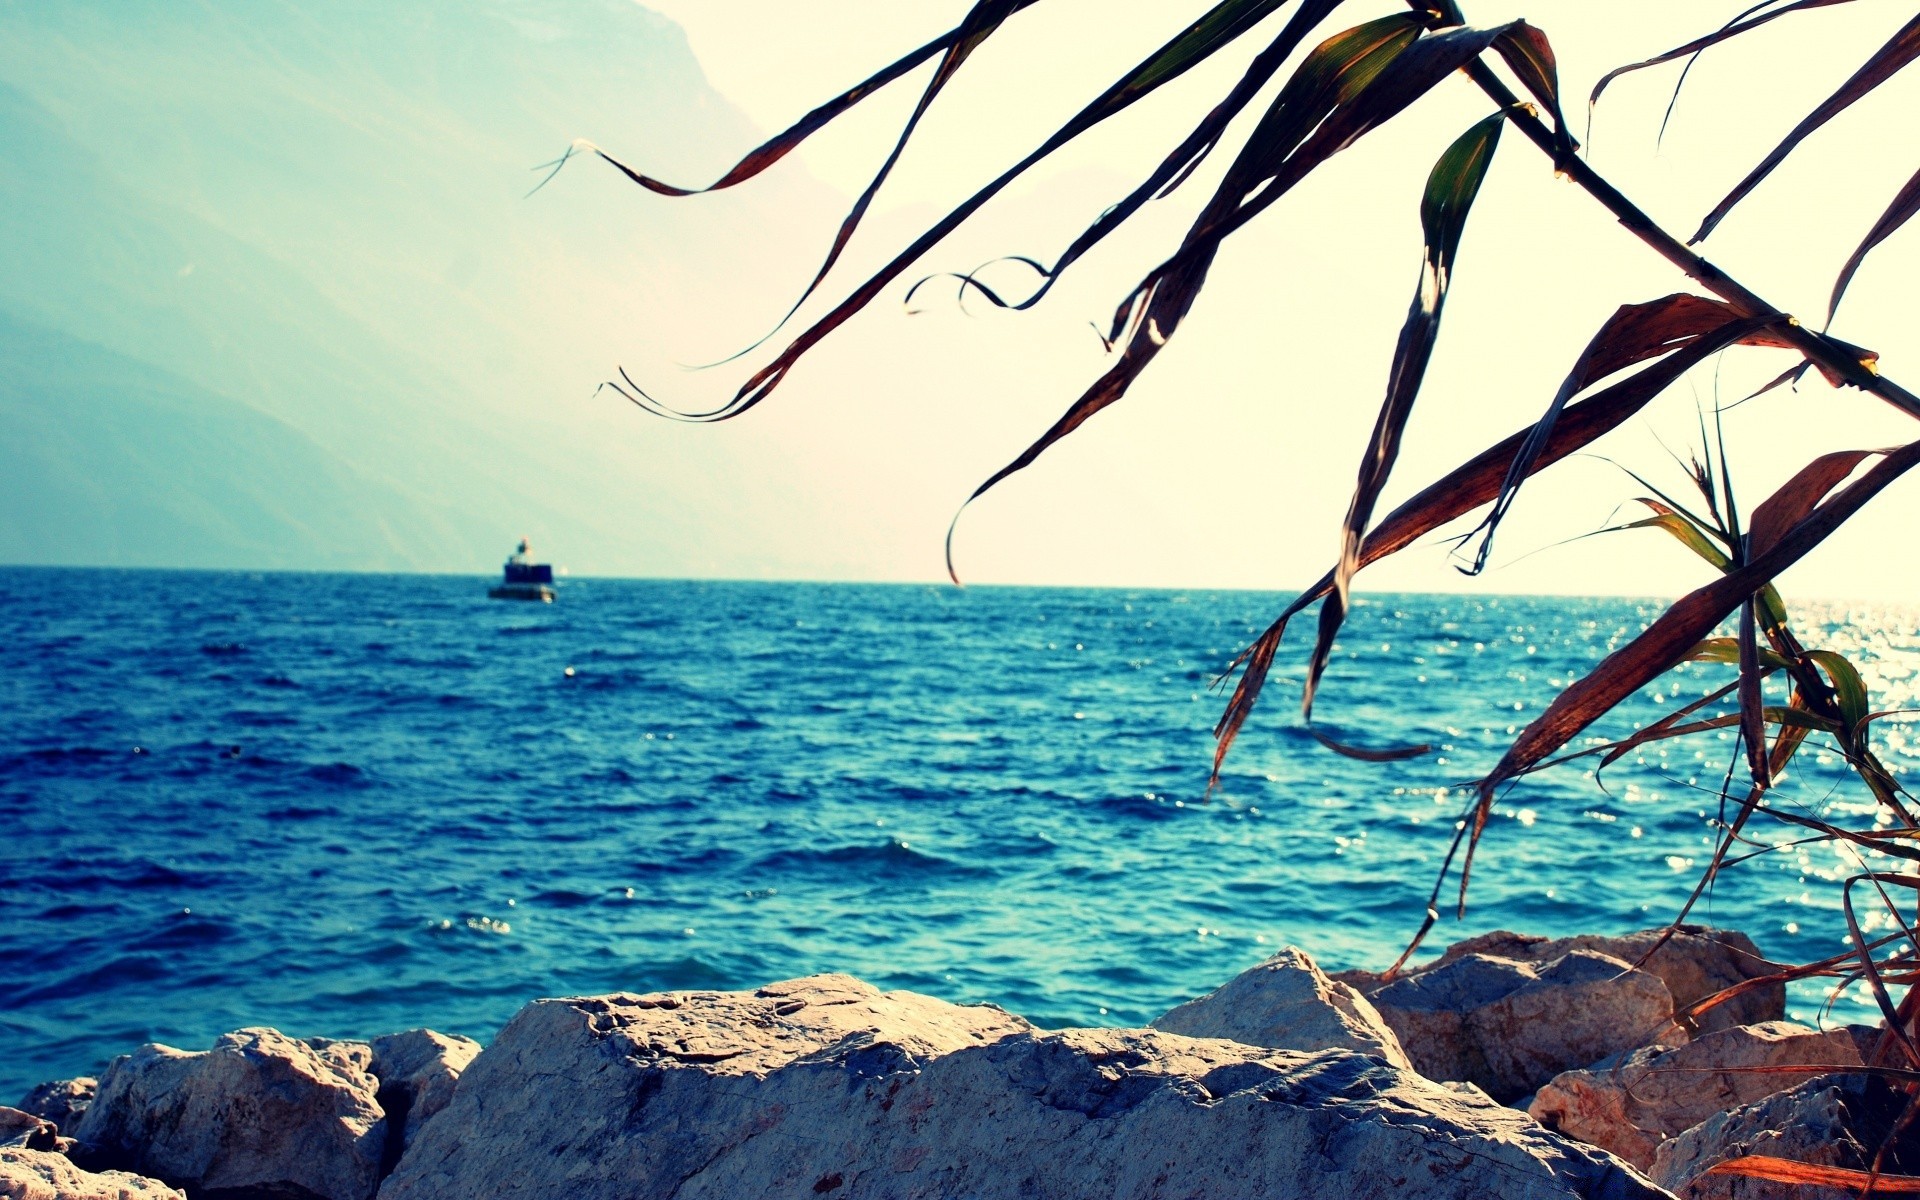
<point>1902,48</point>
<point>1634,333</point>
<point>1349,85</point>
<point>1470,485</point>
<point>1181,162</point>
<point>1904,205</point>
<point>1797,497</point>
<point>1530,56</point>
<point>1732,30</point>
<point>1223,23</point>
<point>1785,1170</point>
<point>1684,624</point>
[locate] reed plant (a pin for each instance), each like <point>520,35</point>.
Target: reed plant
<point>1336,83</point>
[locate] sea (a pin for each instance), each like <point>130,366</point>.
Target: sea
<point>346,805</point>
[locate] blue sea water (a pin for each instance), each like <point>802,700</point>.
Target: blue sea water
<point>349,804</point>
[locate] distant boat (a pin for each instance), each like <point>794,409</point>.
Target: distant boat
<point>526,580</point>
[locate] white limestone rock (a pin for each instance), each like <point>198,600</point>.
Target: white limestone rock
<point>1511,1026</point>
<point>1629,1105</point>
<point>1288,1003</point>
<point>825,1087</point>
<point>43,1175</point>
<point>259,1113</point>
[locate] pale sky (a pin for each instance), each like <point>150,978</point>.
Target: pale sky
<point>284,274</point>
<point>1232,460</point>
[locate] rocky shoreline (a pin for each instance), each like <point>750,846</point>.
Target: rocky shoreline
<point>1510,1066</point>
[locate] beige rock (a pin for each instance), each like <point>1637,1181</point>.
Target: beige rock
<point>1696,962</point>
<point>1288,1003</point>
<point>826,1087</point>
<point>417,1071</point>
<point>41,1175</point>
<point>61,1100</point>
<point>1511,1026</point>
<point>1632,1104</point>
<point>27,1131</point>
<point>260,1112</point>
<point>1833,1120</point>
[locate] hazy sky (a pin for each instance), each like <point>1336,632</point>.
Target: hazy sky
<point>1233,458</point>
<point>278,263</point>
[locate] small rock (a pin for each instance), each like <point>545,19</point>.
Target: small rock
<point>1511,1026</point>
<point>1631,1104</point>
<point>27,1131</point>
<point>1288,1003</point>
<point>1831,1121</point>
<point>417,1071</point>
<point>827,1087</point>
<point>61,1100</point>
<point>40,1175</point>
<point>260,1112</point>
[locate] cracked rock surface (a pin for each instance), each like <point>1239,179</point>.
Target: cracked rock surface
<point>828,1087</point>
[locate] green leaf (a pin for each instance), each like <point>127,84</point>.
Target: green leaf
<point>1687,534</point>
<point>1451,188</point>
<point>1727,650</point>
<point>1773,609</point>
<point>1848,688</point>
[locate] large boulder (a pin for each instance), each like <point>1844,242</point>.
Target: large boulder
<point>1631,1104</point>
<point>417,1071</point>
<point>826,1087</point>
<point>1829,1121</point>
<point>41,1175</point>
<point>1697,961</point>
<point>1288,1003</point>
<point>260,1113</point>
<point>61,1100</point>
<point>1511,1025</point>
